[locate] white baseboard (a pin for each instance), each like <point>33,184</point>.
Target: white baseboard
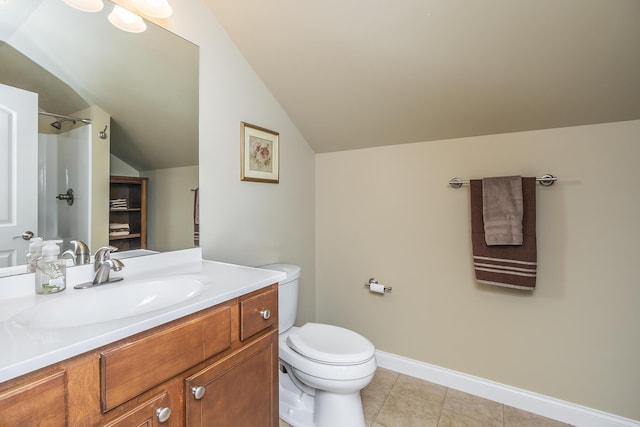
<point>549,407</point>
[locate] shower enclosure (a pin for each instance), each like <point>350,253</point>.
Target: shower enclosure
<point>64,162</point>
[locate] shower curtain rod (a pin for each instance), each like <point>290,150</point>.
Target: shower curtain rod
<point>60,116</point>
<point>544,180</point>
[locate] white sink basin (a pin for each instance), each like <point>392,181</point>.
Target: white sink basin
<point>113,301</point>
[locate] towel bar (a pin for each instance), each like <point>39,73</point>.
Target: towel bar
<point>545,180</point>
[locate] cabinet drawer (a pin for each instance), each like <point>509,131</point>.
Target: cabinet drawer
<point>132,368</point>
<point>253,310</point>
<point>150,413</point>
<point>41,401</point>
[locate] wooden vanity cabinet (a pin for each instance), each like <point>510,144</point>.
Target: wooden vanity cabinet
<point>154,412</point>
<point>41,399</point>
<point>128,369</point>
<point>137,381</point>
<point>231,392</point>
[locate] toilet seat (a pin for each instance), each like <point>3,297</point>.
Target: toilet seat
<point>317,369</point>
<point>331,345</point>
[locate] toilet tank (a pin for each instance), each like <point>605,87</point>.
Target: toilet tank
<point>287,295</point>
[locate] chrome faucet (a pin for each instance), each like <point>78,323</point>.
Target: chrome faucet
<point>103,264</point>
<point>102,273</point>
<point>80,254</point>
<point>102,254</point>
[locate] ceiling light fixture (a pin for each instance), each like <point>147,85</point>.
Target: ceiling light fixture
<point>154,8</point>
<point>86,5</point>
<point>126,21</point>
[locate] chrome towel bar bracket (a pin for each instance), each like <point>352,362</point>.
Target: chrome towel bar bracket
<point>545,180</point>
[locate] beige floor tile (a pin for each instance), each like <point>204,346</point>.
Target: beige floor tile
<point>452,419</point>
<point>397,400</point>
<point>383,379</point>
<point>408,411</point>
<point>514,417</point>
<point>410,386</point>
<point>473,407</point>
<point>374,395</point>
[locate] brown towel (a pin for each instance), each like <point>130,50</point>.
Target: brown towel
<point>508,266</point>
<point>196,217</point>
<point>502,210</point>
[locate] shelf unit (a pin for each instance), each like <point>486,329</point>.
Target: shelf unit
<point>134,190</point>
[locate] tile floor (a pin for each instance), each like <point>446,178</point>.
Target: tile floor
<point>397,400</point>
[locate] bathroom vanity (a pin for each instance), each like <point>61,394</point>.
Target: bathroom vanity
<point>214,363</point>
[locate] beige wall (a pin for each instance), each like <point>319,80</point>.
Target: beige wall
<point>388,213</point>
<point>246,222</point>
<point>99,178</point>
<point>170,206</point>
<point>121,168</point>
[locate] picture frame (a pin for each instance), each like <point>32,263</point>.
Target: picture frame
<point>259,154</point>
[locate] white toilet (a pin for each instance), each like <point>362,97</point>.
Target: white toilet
<point>322,367</point>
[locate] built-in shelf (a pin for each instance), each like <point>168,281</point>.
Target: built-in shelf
<point>127,237</point>
<point>134,191</point>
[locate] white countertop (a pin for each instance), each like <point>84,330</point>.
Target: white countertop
<point>24,349</point>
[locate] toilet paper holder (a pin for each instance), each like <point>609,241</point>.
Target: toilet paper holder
<point>374,281</point>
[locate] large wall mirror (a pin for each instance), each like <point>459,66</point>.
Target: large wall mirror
<point>146,84</point>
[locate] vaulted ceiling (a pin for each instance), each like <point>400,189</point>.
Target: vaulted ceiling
<point>363,73</point>
<point>147,83</point>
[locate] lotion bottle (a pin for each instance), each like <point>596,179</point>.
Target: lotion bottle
<point>51,270</point>
<point>35,252</point>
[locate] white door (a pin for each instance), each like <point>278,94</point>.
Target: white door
<point>18,172</point>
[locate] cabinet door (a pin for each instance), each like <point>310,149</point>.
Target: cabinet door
<point>240,390</point>
<point>39,402</point>
<point>152,413</point>
<point>161,407</point>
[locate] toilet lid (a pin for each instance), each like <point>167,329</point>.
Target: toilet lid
<point>330,344</point>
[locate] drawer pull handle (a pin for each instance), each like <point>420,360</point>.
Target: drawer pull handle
<point>198,392</point>
<point>163,414</point>
<point>265,314</point>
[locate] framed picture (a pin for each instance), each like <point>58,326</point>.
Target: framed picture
<point>259,154</point>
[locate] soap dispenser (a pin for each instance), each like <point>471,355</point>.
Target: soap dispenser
<point>35,252</point>
<point>51,271</point>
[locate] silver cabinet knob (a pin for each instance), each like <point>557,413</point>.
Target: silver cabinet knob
<point>198,392</point>
<point>266,314</point>
<point>163,414</point>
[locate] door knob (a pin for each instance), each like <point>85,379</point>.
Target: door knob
<point>27,235</point>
